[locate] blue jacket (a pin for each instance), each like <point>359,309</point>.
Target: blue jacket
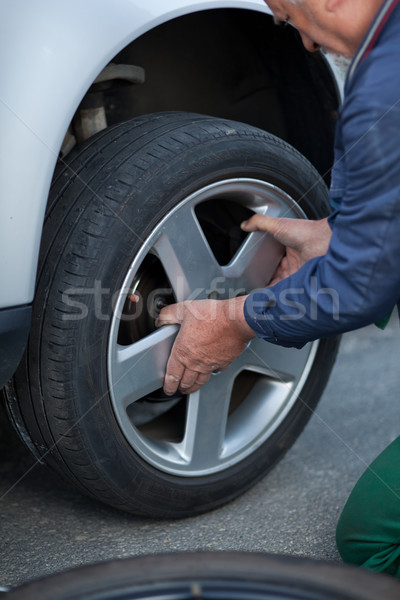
<point>358,281</point>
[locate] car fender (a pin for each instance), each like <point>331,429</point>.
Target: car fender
<point>50,53</point>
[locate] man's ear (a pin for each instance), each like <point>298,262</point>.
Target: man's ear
<point>333,5</point>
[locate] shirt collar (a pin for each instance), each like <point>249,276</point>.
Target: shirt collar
<point>373,34</point>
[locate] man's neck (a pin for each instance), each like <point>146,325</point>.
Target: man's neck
<point>359,17</point>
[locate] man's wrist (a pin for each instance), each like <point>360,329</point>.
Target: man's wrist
<point>234,312</point>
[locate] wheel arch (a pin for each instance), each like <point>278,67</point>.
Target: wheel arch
<point>69,44</point>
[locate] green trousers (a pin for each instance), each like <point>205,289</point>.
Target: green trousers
<point>368,531</point>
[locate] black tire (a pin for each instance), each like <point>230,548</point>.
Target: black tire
<point>209,576</point>
<point>111,196</point>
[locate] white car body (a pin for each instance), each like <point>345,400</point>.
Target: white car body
<point>57,74</point>
<point>51,51</point>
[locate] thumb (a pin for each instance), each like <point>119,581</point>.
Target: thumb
<point>284,230</point>
<point>261,223</point>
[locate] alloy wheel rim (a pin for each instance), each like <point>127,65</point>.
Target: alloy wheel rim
<point>240,408</point>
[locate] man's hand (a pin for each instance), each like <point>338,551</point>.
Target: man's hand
<point>303,239</point>
<point>212,335</point>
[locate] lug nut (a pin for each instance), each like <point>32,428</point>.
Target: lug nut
<point>160,304</point>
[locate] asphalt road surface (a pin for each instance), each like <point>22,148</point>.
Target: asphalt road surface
<point>47,527</point>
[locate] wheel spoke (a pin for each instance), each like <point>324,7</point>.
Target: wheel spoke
<point>206,422</point>
<point>282,364</point>
<point>255,262</point>
<point>186,256</point>
<point>139,369</point>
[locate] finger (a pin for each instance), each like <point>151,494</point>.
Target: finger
<point>276,280</point>
<point>201,380</point>
<point>261,223</point>
<point>171,383</point>
<point>173,375</point>
<point>188,380</point>
<point>170,315</point>
<point>282,272</point>
<point>279,276</point>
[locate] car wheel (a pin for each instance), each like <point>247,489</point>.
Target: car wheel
<point>152,207</point>
<point>212,576</point>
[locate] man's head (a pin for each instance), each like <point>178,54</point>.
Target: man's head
<point>337,25</point>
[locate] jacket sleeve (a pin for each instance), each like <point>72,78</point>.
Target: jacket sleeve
<point>358,281</point>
